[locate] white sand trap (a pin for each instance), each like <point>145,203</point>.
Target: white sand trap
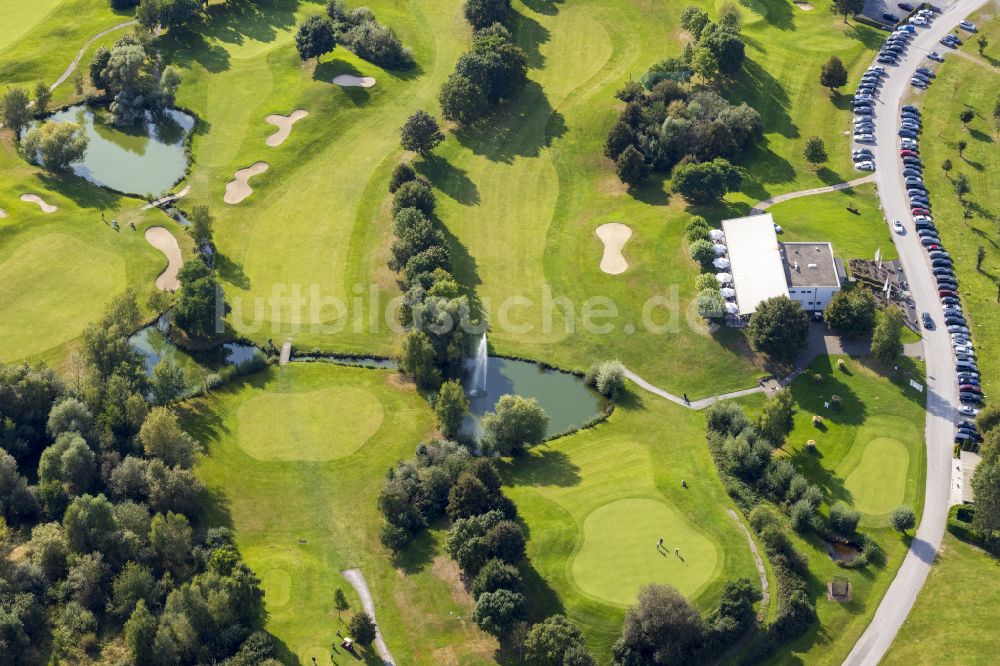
<point>3,213</point>
<point>239,189</point>
<point>351,81</point>
<point>284,125</point>
<point>614,235</point>
<point>164,241</point>
<point>35,199</point>
<point>804,6</point>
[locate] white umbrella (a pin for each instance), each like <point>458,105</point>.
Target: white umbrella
<point>716,234</point>
<point>728,293</point>
<point>732,308</point>
<point>724,278</point>
<point>720,249</point>
<point>721,263</point>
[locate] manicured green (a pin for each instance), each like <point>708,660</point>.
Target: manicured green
<point>596,503</point>
<point>877,483</point>
<point>300,522</point>
<point>329,423</point>
<point>957,602</point>
<point>962,83</point>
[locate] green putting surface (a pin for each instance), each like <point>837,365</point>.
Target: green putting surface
<point>317,425</point>
<point>878,482</point>
<point>619,553</point>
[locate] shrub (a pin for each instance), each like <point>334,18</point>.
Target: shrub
<point>843,518</point>
<point>414,194</point>
<point>903,518</point>
<point>802,515</point>
<point>702,251</point>
<point>496,575</point>
<point>607,378</point>
<point>362,628</point>
<point>403,173</point>
<point>496,612</point>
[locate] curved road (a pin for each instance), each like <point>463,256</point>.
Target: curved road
<point>942,392</point>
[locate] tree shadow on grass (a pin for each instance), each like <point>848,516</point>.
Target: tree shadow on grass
<point>811,397</point>
<point>236,21</point>
<point>766,167</point>
<point>811,466</point>
<point>546,7</point>
<point>529,34</point>
<point>651,191</point>
<point>759,89</point>
<point>543,601</point>
<point>841,100</point>
<point>777,13</point>
<point>187,48</point>
<point>543,467</point>
<point>231,272</point>
<point>450,179</point>
<point>463,264</point>
<point>829,176</point>
<point>522,128</point>
<point>417,555</point>
<point>79,190</point>
<point>867,36</point>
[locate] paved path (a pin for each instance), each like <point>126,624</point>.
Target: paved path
<point>357,580</point>
<point>767,203</point>
<point>168,199</point>
<point>941,390</point>
<point>286,353</point>
<point>79,55</point>
<point>694,404</point>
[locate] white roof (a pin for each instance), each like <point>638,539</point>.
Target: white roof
<point>756,265</point>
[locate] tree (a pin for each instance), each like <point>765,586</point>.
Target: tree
<point>140,632</point>
<point>167,382</point>
<point>982,41</point>
<point>852,312</point>
<point>962,145</point>
<point>420,133</point>
<point>162,436</point>
<point>903,518</point>
<point>468,497</point>
<point>631,166</point>
<point>496,612</point>
<point>461,100</point>
<point>505,541</point>
<point>483,13</point>
<point>70,461</point>
<point>515,423</point>
<point>418,360</point>
<point>847,7</point>
<point>607,378</point>
<point>55,145</point>
<point>775,419</point>
<point>496,575</point>
<point>314,38</point>
<point>201,226</point>
<point>70,415</point>
<point>980,256</point>
<point>90,524</point>
<point>170,538</point>
<point>946,165</point>
<point>702,251</point>
<point>961,185</point>
<point>779,328</point>
<point>340,601</point>
<point>694,19</point>
<point>177,13</point>
<point>661,628</point>
<point>705,182</point>
<point>728,48</point>
<point>843,518</point>
<point>887,345</point>
<point>147,15</point>
<point>966,115</point>
<point>200,301</point>
<point>403,173</point>
<point>620,137</point>
<point>705,64</point>
<point>549,640</point>
<point>414,194</point>
<point>42,97</point>
<point>450,407</point>
<point>15,110</point>
<point>710,303</point>
<point>833,74</point>
<point>133,584</point>
<point>815,151</point>
<point>362,628</point>
<point>49,550</point>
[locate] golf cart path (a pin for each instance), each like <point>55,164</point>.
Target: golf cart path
<point>86,44</point>
<point>765,595</point>
<point>357,581</point>
<point>941,391</point>
<point>694,404</point>
<point>778,198</point>
<point>170,198</point>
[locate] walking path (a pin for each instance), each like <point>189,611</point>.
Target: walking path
<point>978,61</point>
<point>694,404</point>
<point>167,199</point>
<point>357,580</point>
<point>765,595</point>
<point>286,353</point>
<point>79,55</point>
<point>778,198</point>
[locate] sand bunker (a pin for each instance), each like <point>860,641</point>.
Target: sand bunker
<point>35,199</point>
<point>284,125</point>
<point>239,189</point>
<point>164,241</point>
<point>804,6</point>
<point>614,235</point>
<point>350,81</point>
<point>3,213</point>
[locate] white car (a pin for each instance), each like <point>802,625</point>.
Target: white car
<point>934,55</point>
<point>865,166</point>
<point>865,138</point>
<point>968,410</point>
<point>968,26</point>
<point>897,226</point>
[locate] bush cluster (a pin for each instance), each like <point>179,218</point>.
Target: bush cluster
<point>358,31</point>
<point>607,378</point>
<point>115,554</point>
<point>493,71</point>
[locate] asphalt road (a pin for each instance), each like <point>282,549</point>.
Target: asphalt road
<point>942,392</point>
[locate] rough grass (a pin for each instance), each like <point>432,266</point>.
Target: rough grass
<point>299,522</point>
<point>956,604</point>
<point>961,84</point>
<point>596,502</point>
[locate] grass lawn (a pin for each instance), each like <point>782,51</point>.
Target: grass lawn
<point>948,624</point>
<point>59,270</point>
<point>309,511</point>
<point>41,38</point>
<point>825,217</point>
<point>870,454</point>
<point>597,502</point>
<point>962,83</point>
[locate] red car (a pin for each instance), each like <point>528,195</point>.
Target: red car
<point>972,388</point>
<point>920,211</point>
<point>947,292</point>
<point>933,246</point>
<point>905,152</point>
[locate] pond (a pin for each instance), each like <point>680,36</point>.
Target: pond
<point>841,552</point>
<point>145,159</point>
<point>153,343</point>
<point>564,397</point>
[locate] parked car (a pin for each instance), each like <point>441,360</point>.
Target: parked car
<point>974,398</point>
<point>930,241</point>
<point>890,18</point>
<point>968,411</point>
<point>947,292</point>
<point>907,133</point>
<point>927,321</point>
<point>926,72</point>
<point>897,226</point>
<point>934,55</point>
<point>865,138</point>
<point>967,25</point>
<point>865,166</point>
